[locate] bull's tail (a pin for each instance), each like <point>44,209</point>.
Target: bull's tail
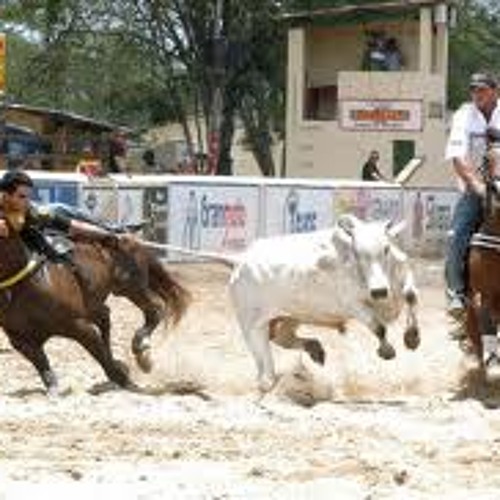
<point>175,297</point>
<point>225,259</point>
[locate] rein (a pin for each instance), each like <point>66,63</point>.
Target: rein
<point>486,241</point>
<point>483,240</point>
<point>29,268</point>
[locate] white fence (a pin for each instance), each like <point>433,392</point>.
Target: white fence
<point>224,214</point>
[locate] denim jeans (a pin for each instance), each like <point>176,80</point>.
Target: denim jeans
<point>466,218</point>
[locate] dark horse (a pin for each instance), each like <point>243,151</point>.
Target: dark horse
<point>483,304</point>
<point>40,299</point>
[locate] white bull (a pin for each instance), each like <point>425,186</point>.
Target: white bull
<point>354,270</point>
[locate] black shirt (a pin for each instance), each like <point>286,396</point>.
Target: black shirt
<point>371,172</point>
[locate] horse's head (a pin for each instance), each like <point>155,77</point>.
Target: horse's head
<point>492,174</point>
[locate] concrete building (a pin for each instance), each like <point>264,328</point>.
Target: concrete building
<point>345,99</point>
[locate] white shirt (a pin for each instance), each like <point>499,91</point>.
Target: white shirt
<point>467,139</point>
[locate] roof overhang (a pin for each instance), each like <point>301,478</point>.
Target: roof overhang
<point>347,12</point>
<point>64,117</point>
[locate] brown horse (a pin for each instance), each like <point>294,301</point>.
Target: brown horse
<point>40,299</point>
<point>483,304</point>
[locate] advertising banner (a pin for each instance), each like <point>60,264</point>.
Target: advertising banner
<point>214,217</point>
<point>46,191</point>
<point>428,212</point>
<point>369,204</point>
<point>130,205</point>
<point>296,209</point>
<point>101,201</point>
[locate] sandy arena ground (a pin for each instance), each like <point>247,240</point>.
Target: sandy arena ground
<point>358,428</point>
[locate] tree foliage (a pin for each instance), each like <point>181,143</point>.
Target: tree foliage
<point>141,62</point>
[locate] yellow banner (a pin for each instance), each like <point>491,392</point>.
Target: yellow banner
<point>3,54</point>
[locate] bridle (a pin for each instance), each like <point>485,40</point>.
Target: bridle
<point>483,239</point>
<point>32,265</point>
<point>20,275</point>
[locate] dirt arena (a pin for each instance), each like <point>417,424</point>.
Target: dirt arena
<point>358,428</point>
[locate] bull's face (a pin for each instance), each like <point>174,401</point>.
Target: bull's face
<point>370,249</point>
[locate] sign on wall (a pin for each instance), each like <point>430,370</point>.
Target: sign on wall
<point>429,213</point>
<point>381,115</point>
<point>50,192</point>
<point>155,213</point>
<point>101,202</point>
<point>214,217</point>
<point>369,204</point>
<point>295,209</point>
<point>130,205</point>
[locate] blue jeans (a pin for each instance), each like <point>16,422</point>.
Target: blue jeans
<point>466,219</point>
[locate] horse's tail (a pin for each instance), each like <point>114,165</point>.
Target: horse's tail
<point>175,297</point>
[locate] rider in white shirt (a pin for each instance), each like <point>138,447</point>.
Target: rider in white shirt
<point>466,149</point>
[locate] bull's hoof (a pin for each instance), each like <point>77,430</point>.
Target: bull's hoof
<point>144,360</point>
<point>266,384</point>
<point>386,351</point>
<point>492,368</point>
<point>412,337</point>
<point>315,350</point>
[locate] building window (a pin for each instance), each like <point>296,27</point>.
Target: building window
<point>321,103</point>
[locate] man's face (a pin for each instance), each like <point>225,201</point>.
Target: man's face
<point>17,201</point>
<point>483,97</point>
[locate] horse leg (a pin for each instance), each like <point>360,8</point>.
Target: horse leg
<point>282,331</point>
<point>33,351</point>
<point>153,311</point>
<point>88,335</point>
<point>489,342</point>
<point>473,328</point>
<point>102,318</point>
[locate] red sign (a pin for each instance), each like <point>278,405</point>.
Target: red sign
<point>3,54</point>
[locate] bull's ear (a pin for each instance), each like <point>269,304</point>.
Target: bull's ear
<point>347,222</point>
<point>394,228</point>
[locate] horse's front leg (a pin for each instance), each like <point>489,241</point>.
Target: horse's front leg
<point>489,342</point>
<point>34,352</point>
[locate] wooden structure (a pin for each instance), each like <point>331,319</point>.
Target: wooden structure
<point>340,107</point>
<point>46,139</point>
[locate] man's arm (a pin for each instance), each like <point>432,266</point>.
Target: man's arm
<point>458,151</point>
<point>379,175</point>
<point>49,218</point>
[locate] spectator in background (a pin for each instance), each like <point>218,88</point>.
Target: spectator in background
<point>90,165</point>
<point>370,171</point>
<point>375,54</point>
<point>393,56</point>
<point>117,152</point>
<point>149,165</point>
